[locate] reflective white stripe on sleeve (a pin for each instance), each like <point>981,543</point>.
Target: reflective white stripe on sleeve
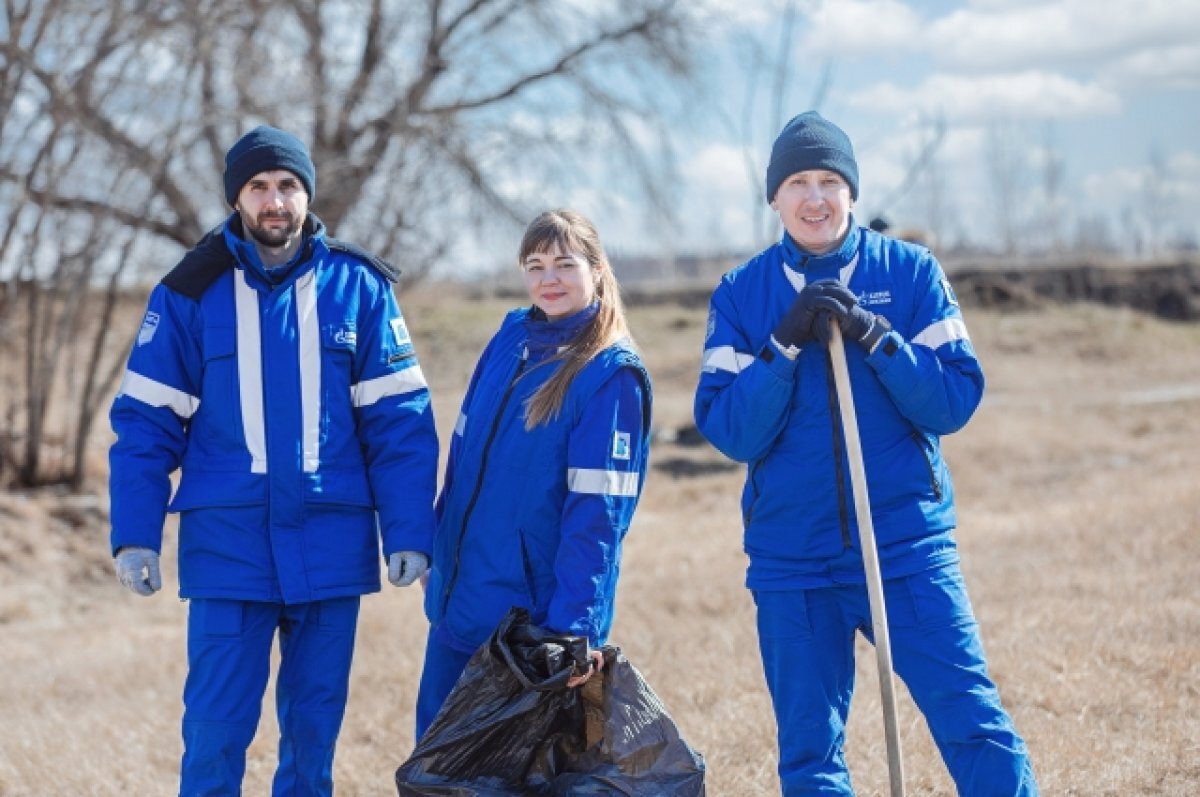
<point>725,358</point>
<point>943,331</point>
<point>309,333</point>
<point>367,393</point>
<point>622,484</point>
<point>249,360</point>
<point>460,426</point>
<point>156,394</point>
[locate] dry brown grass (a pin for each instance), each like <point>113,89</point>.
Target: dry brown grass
<point>1077,485</point>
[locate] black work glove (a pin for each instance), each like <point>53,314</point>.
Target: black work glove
<point>858,323</point>
<point>808,318</point>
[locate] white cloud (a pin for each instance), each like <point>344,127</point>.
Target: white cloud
<point>841,27</point>
<point>1171,67</point>
<point>721,168</point>
<point>1155,37</point>
<point>1176,178</point>
<point>1031,94</point>
<point>717,199</point>
<point>1149,203</point>
<point>1004,36</point>
<point>893,187</point>
<point>715,202</point>
<point>728,15</point>
<point>988,5</point>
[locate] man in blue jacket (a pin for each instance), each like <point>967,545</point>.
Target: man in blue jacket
<point>766,397</point>
<point>274,369</point>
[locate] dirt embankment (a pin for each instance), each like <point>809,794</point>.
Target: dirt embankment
<point>1170,291</point>
<point>1166,290</point>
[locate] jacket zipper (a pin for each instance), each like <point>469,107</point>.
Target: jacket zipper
<point>754,492</point>
<point>839,442</point>
<point>933,481</point>
<point>483,460</point>
<point>530,583</point>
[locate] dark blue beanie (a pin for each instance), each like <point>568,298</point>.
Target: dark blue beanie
<point>265,149</point>
<point>810,141</point>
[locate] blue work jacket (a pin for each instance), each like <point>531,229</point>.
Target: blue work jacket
<point>780,416</point>
<point>298,416</point>
<point>536,518</point>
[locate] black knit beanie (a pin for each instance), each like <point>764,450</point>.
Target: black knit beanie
<point>265,149</point>
<point>810,141</point>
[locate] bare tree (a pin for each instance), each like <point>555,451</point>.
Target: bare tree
<point>425,119</point>
<point>922,167</point>
<point>1006,173</point>
<point>416,113</point>
<point>1155,181</point>
<point>939,214</point>
<point>768,67</point>
<point>1053,170</point>
<point>1094,236</point>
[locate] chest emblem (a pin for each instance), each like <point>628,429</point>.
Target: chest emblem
<point>875,297</point>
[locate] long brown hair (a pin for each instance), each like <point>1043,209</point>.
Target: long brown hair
<point>572,232</point>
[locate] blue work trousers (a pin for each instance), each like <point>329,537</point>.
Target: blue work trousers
<point>229,652</point>
<point>443,665</point>
<point>806,638</point>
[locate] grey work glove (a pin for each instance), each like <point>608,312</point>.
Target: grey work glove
<point>137,569</point>
<point>405,567</point>
<point>808,318</point>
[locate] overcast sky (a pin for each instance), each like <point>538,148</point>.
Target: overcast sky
<point>1107,92</point>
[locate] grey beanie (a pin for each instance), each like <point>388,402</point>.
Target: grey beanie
<point>810,141</point>
<point>265,149</point>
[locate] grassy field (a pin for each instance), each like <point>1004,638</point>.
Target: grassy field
<point>1079,505</point>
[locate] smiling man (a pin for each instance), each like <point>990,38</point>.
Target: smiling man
<point>766,398</point>
<point>274,369</point>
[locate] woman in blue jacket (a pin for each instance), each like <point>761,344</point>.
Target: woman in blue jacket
<point>546,463</point>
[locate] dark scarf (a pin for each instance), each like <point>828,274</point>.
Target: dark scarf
<point>546,337</point>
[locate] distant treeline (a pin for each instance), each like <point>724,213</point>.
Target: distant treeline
<point>1166,290</point>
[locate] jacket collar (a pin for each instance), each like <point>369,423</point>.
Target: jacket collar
<point>798,260</point>
<point>549,336</point>
<point>246,253</point>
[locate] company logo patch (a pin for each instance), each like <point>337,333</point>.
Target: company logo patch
<point>399,331</point>
<point>950,297</point>
<point>620,445</point>
<point>875,297</point>
<point>149,327</point>
<point>345,336</point>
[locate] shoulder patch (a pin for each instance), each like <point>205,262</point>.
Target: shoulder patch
<point>620,448</point>
<point>149,327</point>
<point>378,263</point>
<point>400,331</point>
<point>946,289</point>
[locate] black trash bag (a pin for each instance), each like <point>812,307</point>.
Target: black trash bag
<point>511,727</point>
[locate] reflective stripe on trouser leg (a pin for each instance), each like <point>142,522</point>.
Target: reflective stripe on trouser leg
<point>807,647</point>
<point>937,651</point>
<point>316,647</point>
<point>229,649</point>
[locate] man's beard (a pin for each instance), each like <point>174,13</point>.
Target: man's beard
<point>271,238</point>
